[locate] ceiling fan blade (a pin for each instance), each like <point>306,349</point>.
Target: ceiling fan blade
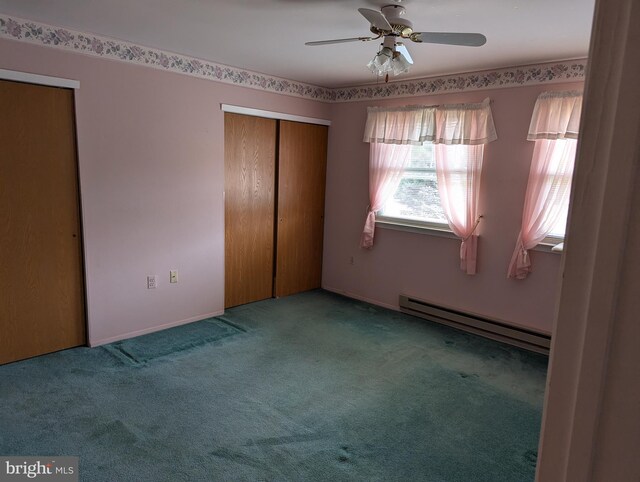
<point>338,41</point>
<point>375,18</point>
<point>450,38</point>
<point>403,50</point>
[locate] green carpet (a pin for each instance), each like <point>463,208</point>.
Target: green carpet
<point>166,342</point>
<point>309,387</point>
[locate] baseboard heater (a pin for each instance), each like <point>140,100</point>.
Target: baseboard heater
<point>496,330</point>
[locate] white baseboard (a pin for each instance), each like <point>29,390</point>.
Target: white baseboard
<point>355,296</point>
<point>146,331</point>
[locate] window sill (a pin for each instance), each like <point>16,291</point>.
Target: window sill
<point>410,227</point>
<point>419,228</point>
<point>555,248</point>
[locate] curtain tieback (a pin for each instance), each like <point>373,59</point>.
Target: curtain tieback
<point>468,248</point>
<point>473,230</point>
<point>369,212</point>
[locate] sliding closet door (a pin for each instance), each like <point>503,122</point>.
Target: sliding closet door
<point>41,279</point>
<point>302,157</point>
<point>249,158</point>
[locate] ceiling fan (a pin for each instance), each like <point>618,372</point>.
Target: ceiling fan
<point>390,24</point>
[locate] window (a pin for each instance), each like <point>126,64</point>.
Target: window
<point>556,235</point>
<point>416,200</point>
<point>559,175</point>
<point>402,183</point>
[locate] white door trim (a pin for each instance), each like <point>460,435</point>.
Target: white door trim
<point>38,79</point>
<point>236,109</point>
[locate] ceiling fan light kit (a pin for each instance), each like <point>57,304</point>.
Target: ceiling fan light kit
<point>400,64</point>
<point>389,59</point>
<point>390,23</point>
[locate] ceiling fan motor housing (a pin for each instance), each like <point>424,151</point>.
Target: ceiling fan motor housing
<point>395,16</point>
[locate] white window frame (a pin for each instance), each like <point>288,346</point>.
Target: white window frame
<point>414,226</point>
<point>553,240</point>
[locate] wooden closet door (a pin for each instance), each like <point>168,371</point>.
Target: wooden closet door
<point>302,158</point>
<point>249,159</point>
<point>41,279</point>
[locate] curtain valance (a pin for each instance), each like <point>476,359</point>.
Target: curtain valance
<point>468,124</point>
<point>556,115</point>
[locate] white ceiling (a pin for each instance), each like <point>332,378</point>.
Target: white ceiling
<point>268,36</point>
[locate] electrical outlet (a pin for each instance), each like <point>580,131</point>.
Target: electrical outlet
<point>173,276</point>
<point>151,282</point>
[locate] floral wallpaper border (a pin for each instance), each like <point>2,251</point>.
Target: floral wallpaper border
<point>42,34</point>
<point>555,72</point>
<point>38,33</point>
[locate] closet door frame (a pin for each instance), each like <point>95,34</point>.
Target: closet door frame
<point>278,116</point>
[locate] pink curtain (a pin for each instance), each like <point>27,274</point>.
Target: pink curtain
<point>386,165</point>
<point>547,192</point>
<point>458,168</point>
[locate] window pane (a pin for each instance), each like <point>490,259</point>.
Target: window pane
<point>417,197</point>
<point>422,157</point>
<point>559,228</point>
<point>561,184</point>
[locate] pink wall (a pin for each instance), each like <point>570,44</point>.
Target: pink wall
<point>426,266</point>
<point>150,147</point>
<point>151,157</point>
